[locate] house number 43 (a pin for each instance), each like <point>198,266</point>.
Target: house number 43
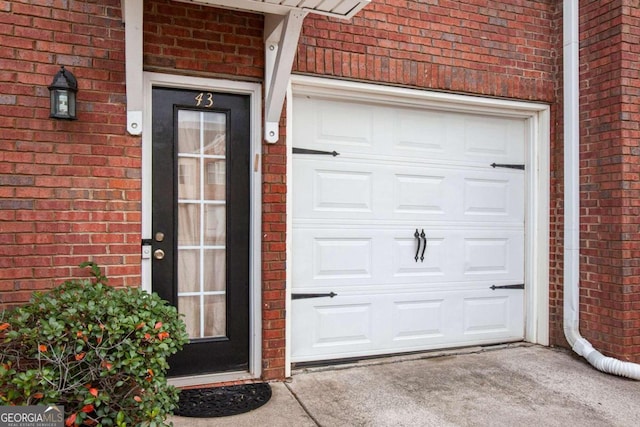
<point>204,99</point>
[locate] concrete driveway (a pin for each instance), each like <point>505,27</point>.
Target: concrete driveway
<point>519,385</point>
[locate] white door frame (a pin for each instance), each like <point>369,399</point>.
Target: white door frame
<point>537,117</point>
<point>254,90</point>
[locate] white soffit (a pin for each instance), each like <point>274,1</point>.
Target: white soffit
<point>345,9</point>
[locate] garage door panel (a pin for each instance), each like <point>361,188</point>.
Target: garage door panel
<point>457,137</point>
<point>404,254</point>
<point>484,196</point>
<point>486,256</point>
<point>335,258</point>
<point>417,195</point>
<point>342,258</point>
<point>417,134</point>
<point>343,325</point>
<point>418,319</point>
<point>487,314</point>
<point>379,323</point>
<point>325,189</point>
<point>409,132</point>
<point>324,125</point>
<point>339,259</point>
<point>344,189</point>
<point>494,255</point>
<point>454,194</point>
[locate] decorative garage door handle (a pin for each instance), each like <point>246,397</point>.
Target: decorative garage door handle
<point>419,236</point>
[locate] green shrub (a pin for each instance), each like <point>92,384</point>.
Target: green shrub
<point>99,351</point>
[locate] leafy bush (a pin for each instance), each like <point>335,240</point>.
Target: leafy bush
<point>99,351</point>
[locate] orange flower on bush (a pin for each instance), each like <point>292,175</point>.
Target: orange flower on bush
<point>71,420</point>
<point>87,408</point>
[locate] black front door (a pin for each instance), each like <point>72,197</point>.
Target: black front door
<point>201,211</point>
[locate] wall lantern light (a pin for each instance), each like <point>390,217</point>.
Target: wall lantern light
<point>63,91</point>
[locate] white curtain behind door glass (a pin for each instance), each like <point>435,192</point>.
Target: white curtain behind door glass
<point>202,222</point>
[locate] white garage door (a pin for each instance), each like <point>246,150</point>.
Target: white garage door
<point>410,227</point>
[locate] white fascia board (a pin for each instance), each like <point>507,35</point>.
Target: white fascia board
<point>344,9</point>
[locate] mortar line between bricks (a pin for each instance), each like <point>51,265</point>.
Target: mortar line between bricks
<point>304,407</point>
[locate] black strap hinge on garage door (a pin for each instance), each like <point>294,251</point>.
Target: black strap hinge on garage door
<point>308,151</point>
<point>305,296</point>
<point>520,286</point>
<point>497,165</point>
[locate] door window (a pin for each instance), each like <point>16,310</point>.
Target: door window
<point>202,222</point>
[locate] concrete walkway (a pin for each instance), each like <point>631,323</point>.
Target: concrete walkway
<point>502,386</point>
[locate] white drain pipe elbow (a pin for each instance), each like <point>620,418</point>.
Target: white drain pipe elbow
<point>580,345</point>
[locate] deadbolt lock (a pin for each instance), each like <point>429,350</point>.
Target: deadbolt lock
<point>158,254</point>
<point>159,236</point>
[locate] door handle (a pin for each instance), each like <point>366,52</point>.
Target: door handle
<point>424,245</point>
<point>417,236</point>
<point>158,254</point>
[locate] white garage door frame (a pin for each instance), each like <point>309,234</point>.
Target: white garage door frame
<point>537,119</point>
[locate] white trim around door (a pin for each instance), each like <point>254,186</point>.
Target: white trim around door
<point>254,90</point>
<point>536,117</point>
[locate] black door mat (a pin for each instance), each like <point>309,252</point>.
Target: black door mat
<point>222,401</point>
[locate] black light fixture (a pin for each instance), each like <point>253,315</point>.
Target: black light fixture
<point>63,91</point>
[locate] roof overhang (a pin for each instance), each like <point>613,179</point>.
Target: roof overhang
<point>282,27</point>
<point>344,9</point>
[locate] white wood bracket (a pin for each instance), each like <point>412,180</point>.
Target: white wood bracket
<point>132,12</point>
<point>281,33</point>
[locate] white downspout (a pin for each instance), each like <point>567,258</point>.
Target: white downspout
<point>572,204</point>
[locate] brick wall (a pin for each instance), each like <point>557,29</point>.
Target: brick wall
<point>203,41</point>
<point>69,190</point>
<point>274,227</point>
<point>499,48</point>
<point>610,172</point>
